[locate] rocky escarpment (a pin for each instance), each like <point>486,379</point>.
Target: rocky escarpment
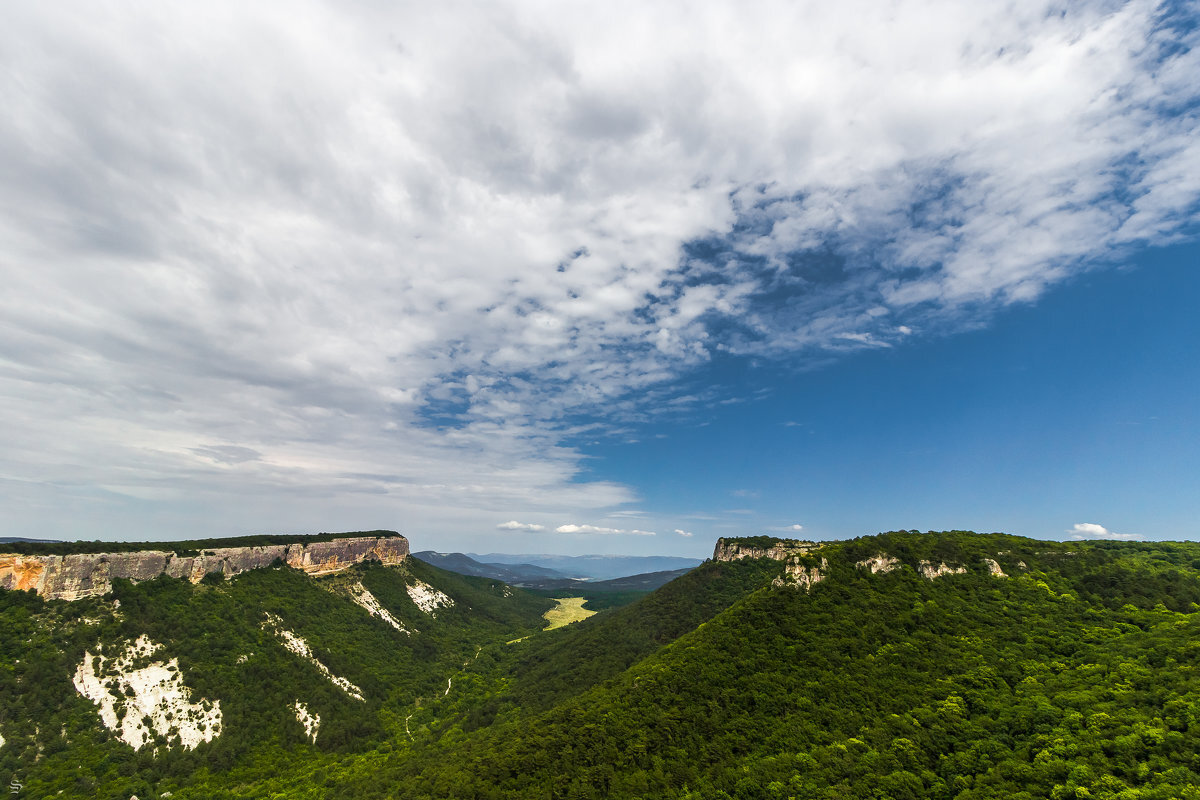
<point>779,549</point>
<point>71,577</point>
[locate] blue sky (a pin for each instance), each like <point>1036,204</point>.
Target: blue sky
<point>1080,408</point>
<point>522,276</point>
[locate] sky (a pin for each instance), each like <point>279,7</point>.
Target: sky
<point>599,278</point>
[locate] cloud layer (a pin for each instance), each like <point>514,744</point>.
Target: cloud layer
<point>402,254</point>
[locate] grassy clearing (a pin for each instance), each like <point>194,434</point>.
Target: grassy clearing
<point>568,610</point>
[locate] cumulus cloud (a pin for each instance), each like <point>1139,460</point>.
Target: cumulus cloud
<point>1090,530</point>
<point>513,525</point>
<point>404,253</point>
<point>598,529</point>
<point>683,533</point>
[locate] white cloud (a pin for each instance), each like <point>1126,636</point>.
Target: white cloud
<point>585,529</point>
<point>683,533</point>
<point>1090,530</point>
<point>513,525</point>
<point>396,253</point>
<point>598,529</point>
<point>795,527</point>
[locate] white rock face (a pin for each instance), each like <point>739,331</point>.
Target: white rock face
<point>311,722</point>
<point>360,595</point>
<point>427,598</point>
<point>1,741</point>
<point>796,574</point>
<point>129,695</point>
<point>994,568</point>
<point>300,647</point>
<point>930,570</point>
<point>881,563</point>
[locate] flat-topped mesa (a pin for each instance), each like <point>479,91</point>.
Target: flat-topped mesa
<point>761,547</point>
<point>71,577</point>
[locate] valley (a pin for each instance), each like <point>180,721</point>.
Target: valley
<point>900,665</point>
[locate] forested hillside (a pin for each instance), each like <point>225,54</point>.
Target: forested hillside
<point>903,665</point>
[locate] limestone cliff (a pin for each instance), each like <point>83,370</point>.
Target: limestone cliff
<point>732,549</point>
<point>85,574</point>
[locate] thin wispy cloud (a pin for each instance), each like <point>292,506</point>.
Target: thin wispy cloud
<point>391,258</point>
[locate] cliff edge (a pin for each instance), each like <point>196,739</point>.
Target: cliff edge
<point>778,549</point>
<point>70,577</point>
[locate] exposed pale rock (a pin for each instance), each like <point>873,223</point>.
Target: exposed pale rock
<point>131,689</point>
<point>930,570</point>
<point>86,574</point>
<point>800,575</point>
<point>427,598</point>
<point>994,568</point>
<point>731,550</point>
<point>310,721</point>
<point>297,645</point>
<point>1,740</point>
<point>881,563</point>
<point>360,595</point>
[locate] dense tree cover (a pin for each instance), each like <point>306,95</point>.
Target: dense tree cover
<point>225,652</point>
<point>1075,675</point>
<point>760,542</point>
<point>183,547</point>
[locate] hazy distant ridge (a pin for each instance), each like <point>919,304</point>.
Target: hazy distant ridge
<point>594,566</point>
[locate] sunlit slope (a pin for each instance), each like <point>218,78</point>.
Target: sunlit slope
<point>1070,677</point>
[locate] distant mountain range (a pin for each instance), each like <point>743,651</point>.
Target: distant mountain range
<point>15,539</point>
<point>594,566</point>
<point>517,574</point>
<point>594,573</point>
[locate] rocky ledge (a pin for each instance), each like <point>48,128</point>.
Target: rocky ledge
<point>86,574</point>
<point>780,549</point>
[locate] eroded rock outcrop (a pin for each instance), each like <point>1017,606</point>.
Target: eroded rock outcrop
<point>804,576</point>
<point>879,564</point>
<point>732,549</point>
<point>362,597</point>
<point>427,598</point>
<point>930,570</point>
<point>141,698</point>
<point>299,647</point>
<point>310,720</point>
<point>994,568</point>
<point>86,574</point>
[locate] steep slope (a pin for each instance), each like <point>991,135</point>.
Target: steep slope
<point>903,665</point>
<point>875,683</point>
<point>280,662</point>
